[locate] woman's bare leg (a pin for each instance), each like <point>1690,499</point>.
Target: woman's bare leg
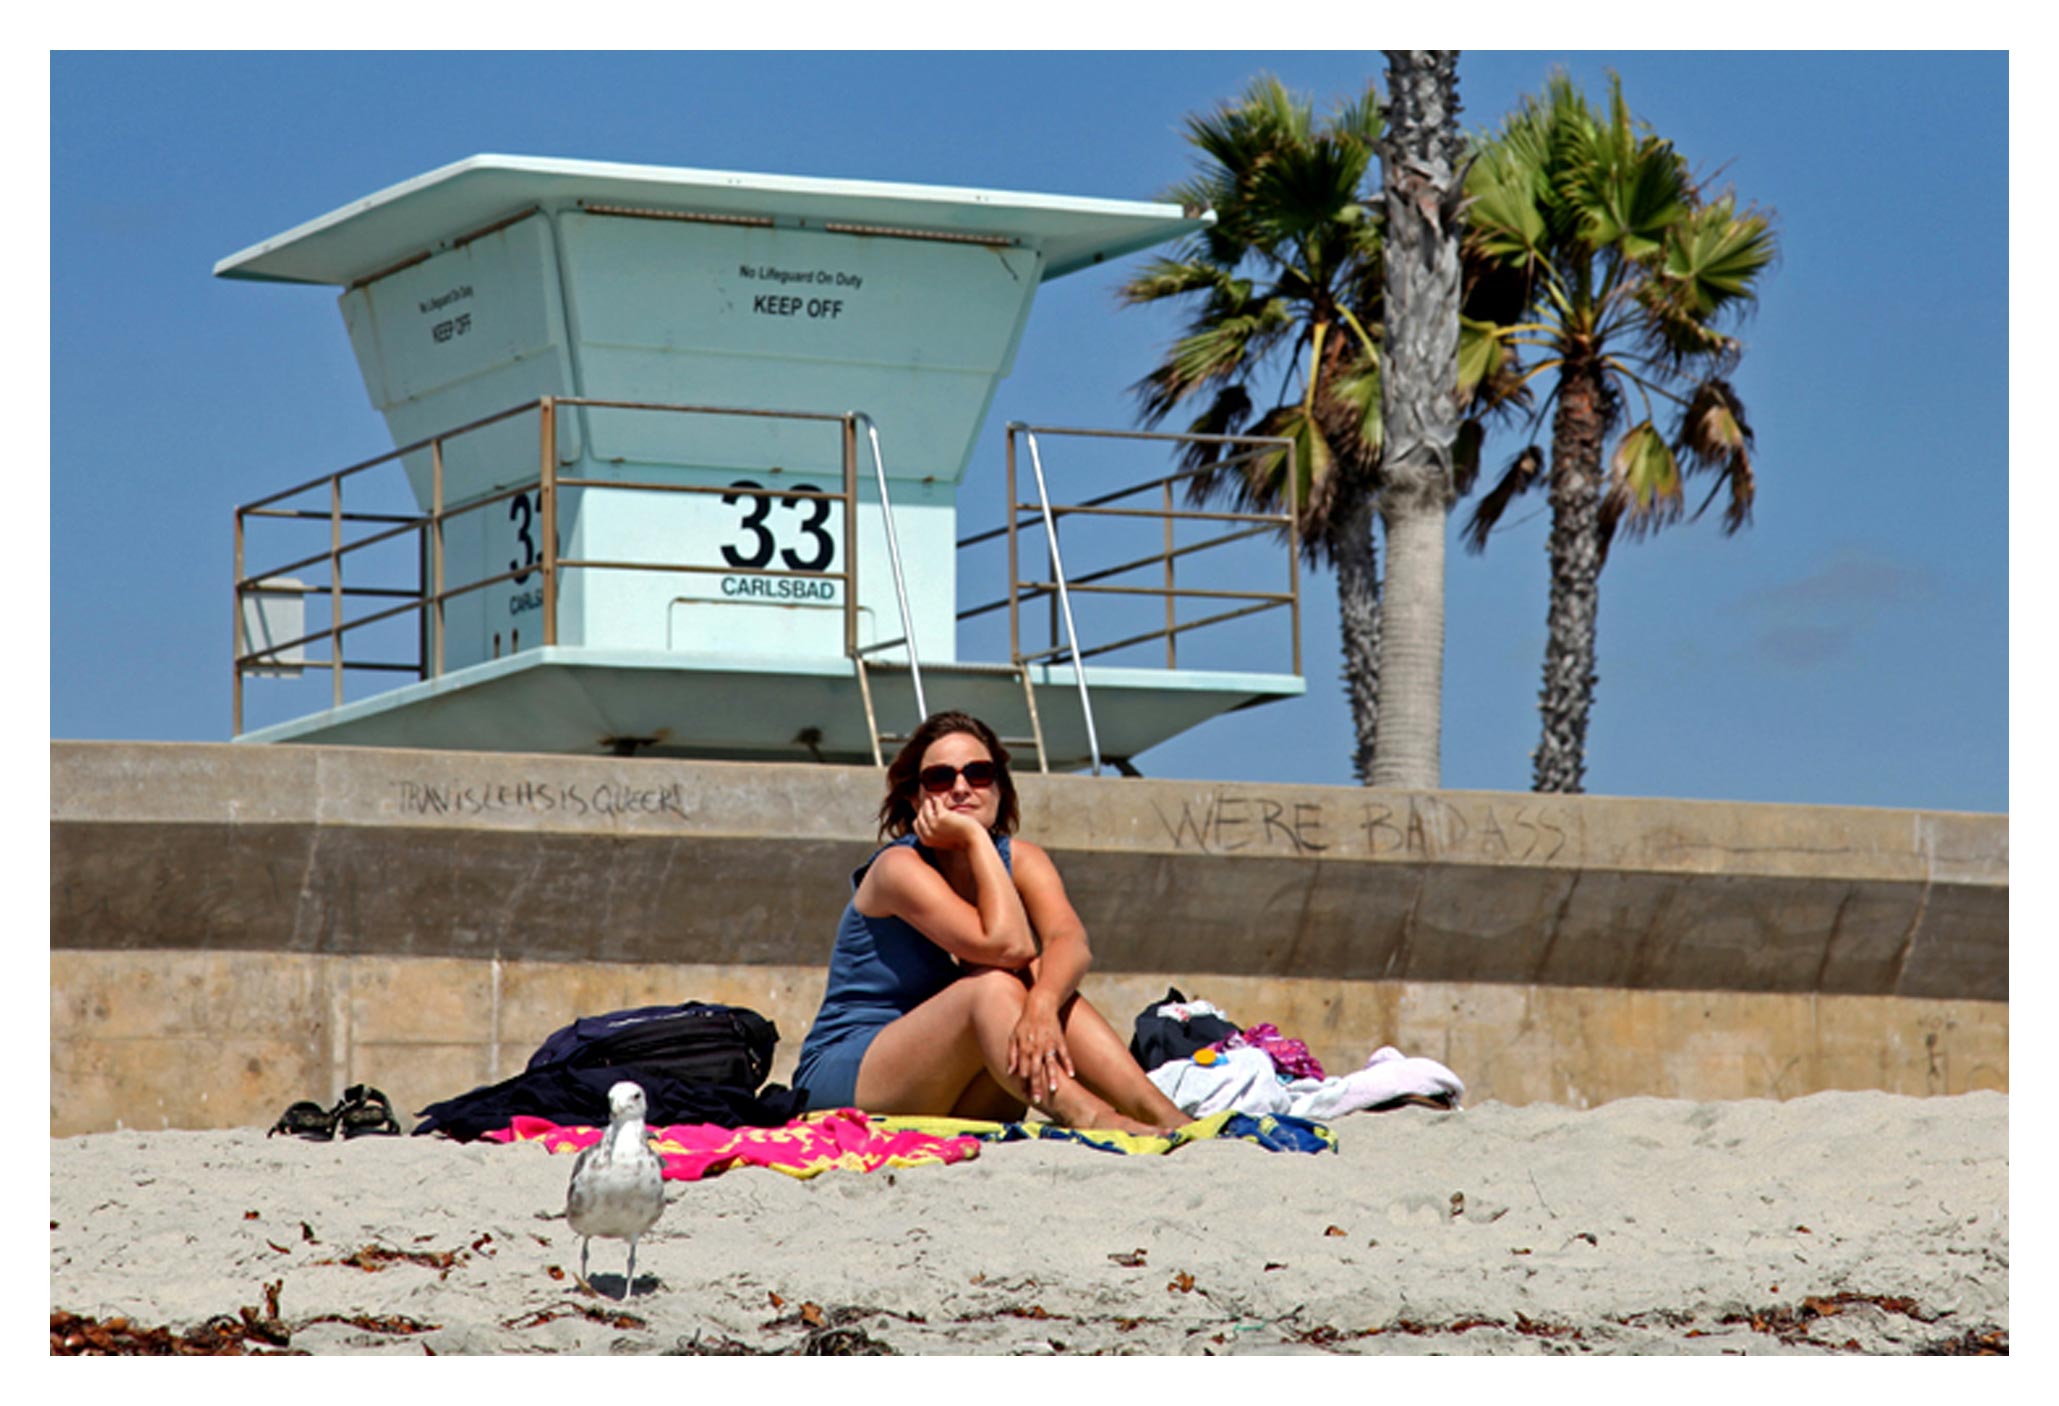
<point>988,1101</point>
<point>929,1060</point>
<point>1106,1066</point>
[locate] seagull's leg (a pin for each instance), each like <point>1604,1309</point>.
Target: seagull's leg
<point>629,1284</point>
<point>585,1243</point>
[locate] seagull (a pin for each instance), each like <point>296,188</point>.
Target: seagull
<point>618,1187</point>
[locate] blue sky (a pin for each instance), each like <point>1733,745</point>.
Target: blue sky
<point>1851,647</point>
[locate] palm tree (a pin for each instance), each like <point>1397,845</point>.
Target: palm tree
<point>1627,264</point>
<point>1286,283</point>
<point>1419,162</point>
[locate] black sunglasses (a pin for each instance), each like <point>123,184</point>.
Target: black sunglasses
<point>978,775</point>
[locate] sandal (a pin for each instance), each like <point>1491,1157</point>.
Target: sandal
<point>306,1119</point>
<point>364,1112</point>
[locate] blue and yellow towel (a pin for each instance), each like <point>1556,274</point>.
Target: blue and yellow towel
<point>1274,1132</point>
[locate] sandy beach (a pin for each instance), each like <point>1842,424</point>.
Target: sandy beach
<point>1835,1223</point>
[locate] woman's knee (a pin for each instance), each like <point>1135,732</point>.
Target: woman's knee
<point>996,985</point>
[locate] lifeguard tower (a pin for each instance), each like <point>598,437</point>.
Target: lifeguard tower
<point>682,454</point>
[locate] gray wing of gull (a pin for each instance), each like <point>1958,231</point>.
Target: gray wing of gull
<point>579,1193</point>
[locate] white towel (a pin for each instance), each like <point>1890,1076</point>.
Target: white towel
<point>1187,1010</point>
<point>1388,1075</point>
<point>1243,1079</point>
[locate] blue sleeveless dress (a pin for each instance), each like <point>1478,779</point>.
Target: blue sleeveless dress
<point>880,969</point>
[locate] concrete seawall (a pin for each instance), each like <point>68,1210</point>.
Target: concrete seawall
<point>234,927</point>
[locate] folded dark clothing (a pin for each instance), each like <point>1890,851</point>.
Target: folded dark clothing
<point>579,1096</point>
<point>1161,1038</point>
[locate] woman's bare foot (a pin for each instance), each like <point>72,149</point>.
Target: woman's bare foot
<point>1073,1105</point>
<point>1160,1115</point>
<point>1093,1113</point>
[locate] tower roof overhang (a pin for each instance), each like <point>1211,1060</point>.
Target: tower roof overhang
<point>432,212</point>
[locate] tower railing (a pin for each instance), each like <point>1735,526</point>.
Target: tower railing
<point>1068,594</point>
<point>431,591</point>
<point>1025,518</point>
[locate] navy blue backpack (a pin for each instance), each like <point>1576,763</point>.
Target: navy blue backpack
<point>697,1063</point>
<point>716,1044</point>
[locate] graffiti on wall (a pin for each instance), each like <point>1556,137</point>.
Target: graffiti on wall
<point>561,799</point>
<point>1428,827</point>
<point>1217,822</point>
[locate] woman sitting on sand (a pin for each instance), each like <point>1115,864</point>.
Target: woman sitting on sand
<point>953,987</point>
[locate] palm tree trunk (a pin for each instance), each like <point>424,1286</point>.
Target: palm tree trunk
<point>1407,753</point>
<point>1569,648</point>
<point>1419,382</point>
<point>1358,621</point>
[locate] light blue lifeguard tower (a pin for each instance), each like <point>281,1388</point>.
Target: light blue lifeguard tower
<point>684,450</point>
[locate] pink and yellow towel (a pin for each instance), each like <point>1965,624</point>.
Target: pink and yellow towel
<point>803,1148</point>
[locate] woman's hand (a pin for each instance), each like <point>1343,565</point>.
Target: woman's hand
<point>1036,1049</point>
<point>940,827</point>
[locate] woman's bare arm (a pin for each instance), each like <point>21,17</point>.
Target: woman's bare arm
<point>1063,954</point>
<point>994,932</point>
<point>1037,1049</point>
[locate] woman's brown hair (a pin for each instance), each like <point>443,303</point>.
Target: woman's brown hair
<point>897,811</point>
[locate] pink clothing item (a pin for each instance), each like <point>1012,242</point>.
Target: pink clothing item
<point>1290,1057</point>
<point>842,1137</point>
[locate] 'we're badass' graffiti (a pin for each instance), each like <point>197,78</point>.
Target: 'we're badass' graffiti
<point>1224,822</point>
<point>1495,829</point>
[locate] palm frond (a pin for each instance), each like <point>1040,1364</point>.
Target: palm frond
<point>1504,221</point>
<point>1255,479</point>
<point>1714,436</point>
<point>1353,406</point>
<point>1524,472</point>
<point>1225,414</point>
<point>1214,353</point>
<point>1630,187</point>
<point>1482,354</point>
<point>1713,428</point>
<point>1228,344</point>
<point>1362,119</point>
<point>1238,134</point>
<point>1263,482</point>
<point>1715,256</point>
<point>1744,488</point>
<point>1368,339</point>
<point>1170,278</point>
<point>1669,334</point>
<point>1309,189</point>
<point>1465,455</point>
<point>1643,492</point>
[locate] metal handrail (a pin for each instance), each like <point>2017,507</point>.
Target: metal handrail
<point>1190,625</point>
<point>430,594</point>
<point>1081,579</point>
<point>1164,481</point>
<point>1021,591</point>
<point>251,583</point>
<point>886,513</point>
<point>1178,593</point>
<point>324,517</point>
<point>1193,514</point>
<point>1072,634</point>
<point>386,458</point>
